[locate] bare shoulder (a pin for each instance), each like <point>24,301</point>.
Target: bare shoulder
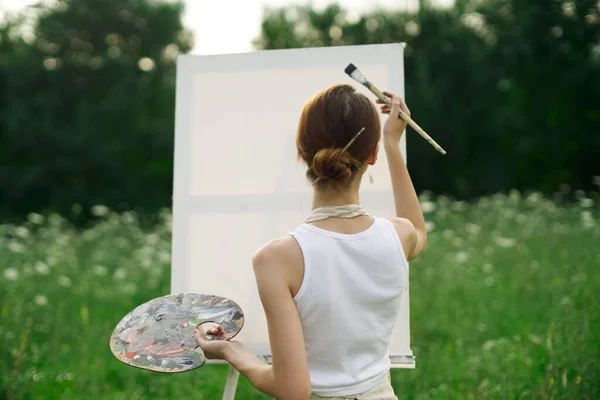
<point>279,263</point>
<point>406,231</point>
<point>408,235</point>
<point>402,225</point>
<point>277,251</point>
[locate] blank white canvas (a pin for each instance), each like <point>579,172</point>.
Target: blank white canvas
<point>237,182</point>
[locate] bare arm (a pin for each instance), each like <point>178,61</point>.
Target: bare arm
<point>287,378</point>
<point>411,224</point>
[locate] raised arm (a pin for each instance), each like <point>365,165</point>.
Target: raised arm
<point>410,223</point>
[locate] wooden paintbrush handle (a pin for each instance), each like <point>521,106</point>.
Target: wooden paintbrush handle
<point>405,117</point>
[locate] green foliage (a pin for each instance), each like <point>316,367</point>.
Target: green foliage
<point>504,304</point>
<point>87,106</point>
<point>510,88</point>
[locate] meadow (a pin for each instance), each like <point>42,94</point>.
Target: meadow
<point>504,304</point>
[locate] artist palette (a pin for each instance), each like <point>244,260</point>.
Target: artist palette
<point>159,335</point>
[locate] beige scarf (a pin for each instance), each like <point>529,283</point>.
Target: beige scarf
<point>345,211</point>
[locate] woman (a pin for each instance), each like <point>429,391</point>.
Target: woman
<point>331,289</point>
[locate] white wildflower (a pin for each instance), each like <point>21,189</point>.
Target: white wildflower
<point>505,242</point>
<point>22,232</point>
<point>65,376</point>
<point>589,224</point>
<point>425,195</point>
<point>586,215</point>
<point>586,202</point>
<point>499,199</point>
<point>42,268</point>
<point>443,201</point>
<point>535,339</point>
<point>38,375</point>
<point>457,241</point>
<point>578,278</point>
<point>152,239</point>
<point>120,274</point>
<point>448,234</point>
<point>489,281</point>
<point>483,202</point>
<point>10,274</point>
<point>89,235</point>
<point>55,219</point>
<point>128,217</point>
<point>488,345</point>
<point>565,300</point>
<point>587,219</point>
<point>130,288</point>
<point>484,384</point>
<point>514,195</point>
<point>165,256</point>
<point>64,281</point>
<point>100,270</point>
<point>521,218</point>
<point>473,229</point>
<point>40,300</point>
<point>100,211</point>
<point>428,206</point>
<point>35,218</point>
<point>458,206</point>
<point>429,226</point>
<point>461,257</point>
<point>62,240</point>
<point>534,197</point>
<point>15,246</point>
<point>487,268</point>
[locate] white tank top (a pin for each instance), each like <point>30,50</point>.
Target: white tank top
<point>348,304</point>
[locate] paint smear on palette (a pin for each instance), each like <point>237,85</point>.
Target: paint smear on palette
<point>159,335</point>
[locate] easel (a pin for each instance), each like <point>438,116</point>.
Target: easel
<point>210,191</point>
<point>233,375</point>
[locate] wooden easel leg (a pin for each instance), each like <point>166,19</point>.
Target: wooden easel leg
<point>231,385</point>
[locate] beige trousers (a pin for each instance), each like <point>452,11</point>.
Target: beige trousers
<point>383,391</point>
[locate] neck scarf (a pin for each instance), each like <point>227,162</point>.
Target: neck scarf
<point>345,211</point>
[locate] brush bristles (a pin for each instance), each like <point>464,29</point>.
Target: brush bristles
<point>350,69</point>
<point>355,74</point>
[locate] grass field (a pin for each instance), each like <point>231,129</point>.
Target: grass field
<point>504,305</point>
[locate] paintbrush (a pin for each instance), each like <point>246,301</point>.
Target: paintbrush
<point>358,76</point>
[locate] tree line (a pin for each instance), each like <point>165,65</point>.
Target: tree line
<point>510,88</point>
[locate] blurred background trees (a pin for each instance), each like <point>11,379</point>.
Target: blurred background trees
<point>87,103</point>
<point>510,88</point>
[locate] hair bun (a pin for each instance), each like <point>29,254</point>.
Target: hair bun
<point>333,165</point>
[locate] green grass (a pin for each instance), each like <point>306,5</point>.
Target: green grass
<point>504,305</point>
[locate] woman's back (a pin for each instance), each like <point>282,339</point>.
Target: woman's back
<point>331,296</point>
<point>348,302</point>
